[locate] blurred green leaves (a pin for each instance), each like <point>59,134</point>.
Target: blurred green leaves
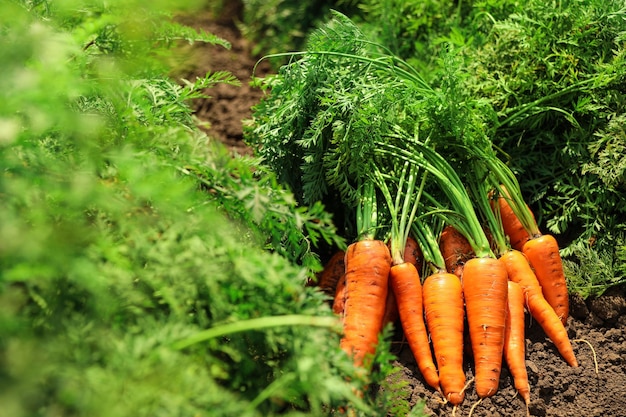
<point>125,229</point>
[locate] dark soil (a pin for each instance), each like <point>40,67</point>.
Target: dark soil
<point>557,390</point>
<point>229,106</point>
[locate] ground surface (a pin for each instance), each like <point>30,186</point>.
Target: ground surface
<point>557,389</point>
<point>228,106</point>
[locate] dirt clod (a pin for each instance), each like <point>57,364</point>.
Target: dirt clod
<point>609,307</point>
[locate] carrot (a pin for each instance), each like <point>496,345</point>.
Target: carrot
<point>391,307</point>
<point>485,290</point>
<point>333,270</point>
<point>543,255</point>
<point>445,313</point>
<point>412,254</point>
<point>367,271</point>
<point>519,271</point>
<point>339,302</point>
<point>514,341</point>
<point>512,226</point>
<point>514,229</point>
<point>456,250</point>
<point>405,282</point>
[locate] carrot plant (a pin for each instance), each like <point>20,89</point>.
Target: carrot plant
<point>318,129</point>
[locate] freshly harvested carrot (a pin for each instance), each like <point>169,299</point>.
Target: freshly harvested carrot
<point>514,341</point>
<point>518,235</point>
<point>406,285</point>
<point>391,308</point>
<point>413,253</point>
<point>445,314</point>
<point>339,302</point>
<point>519,271</point>
<point>513,228</point>
<point>367,272</point>
<point>543,255</point>
<point>456,250</point>
<point>333,270</point>
<point>485,289</point>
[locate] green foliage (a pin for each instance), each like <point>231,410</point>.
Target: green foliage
<point>594,271</point>
<point>125,231</point>
<point>549,77</point>
<point>555,74</point>
<point>408,28</point>
<point>328,108</point>
<point>283,25</point>
<point>394,391</point>
<point>280,25</point>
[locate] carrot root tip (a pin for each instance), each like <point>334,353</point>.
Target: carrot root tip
<point>593,352</point>
<point>476,404</point>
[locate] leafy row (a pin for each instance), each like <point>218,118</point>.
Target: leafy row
<point>144,270</point>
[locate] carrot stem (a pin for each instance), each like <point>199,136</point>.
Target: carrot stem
<point>450,183</point>
<point>256,324</point>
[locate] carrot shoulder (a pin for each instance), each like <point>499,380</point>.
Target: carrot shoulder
<point>543,255</point>
<point>519,271</point>
<point>515,342</point>
<point>367,270</point>
<point>445,314</point>
<point>405,282</point>
<point>485,291</point>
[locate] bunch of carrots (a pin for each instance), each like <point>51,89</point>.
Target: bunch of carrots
<point>484,266</point>
<point>440,255</point>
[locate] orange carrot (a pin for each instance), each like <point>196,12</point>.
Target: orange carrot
<point>514,341</point>
<point>519,271</point>
<point>543,255</point>
<point>412,254</point>
<point>333,270</point>
<point>391,308</point>
<point>339,302</point>
<point>445,313</point>
<point>485,290</point>
<point>367,272</point>
<point>406,285</point>
<point>456,250</point>
<point>512,226</point>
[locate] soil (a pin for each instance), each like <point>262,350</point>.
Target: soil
<point>596,326</point>
<point>228,107</point>
<point>598,330</point>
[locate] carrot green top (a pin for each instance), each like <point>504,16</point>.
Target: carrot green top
<point>466,222</point>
